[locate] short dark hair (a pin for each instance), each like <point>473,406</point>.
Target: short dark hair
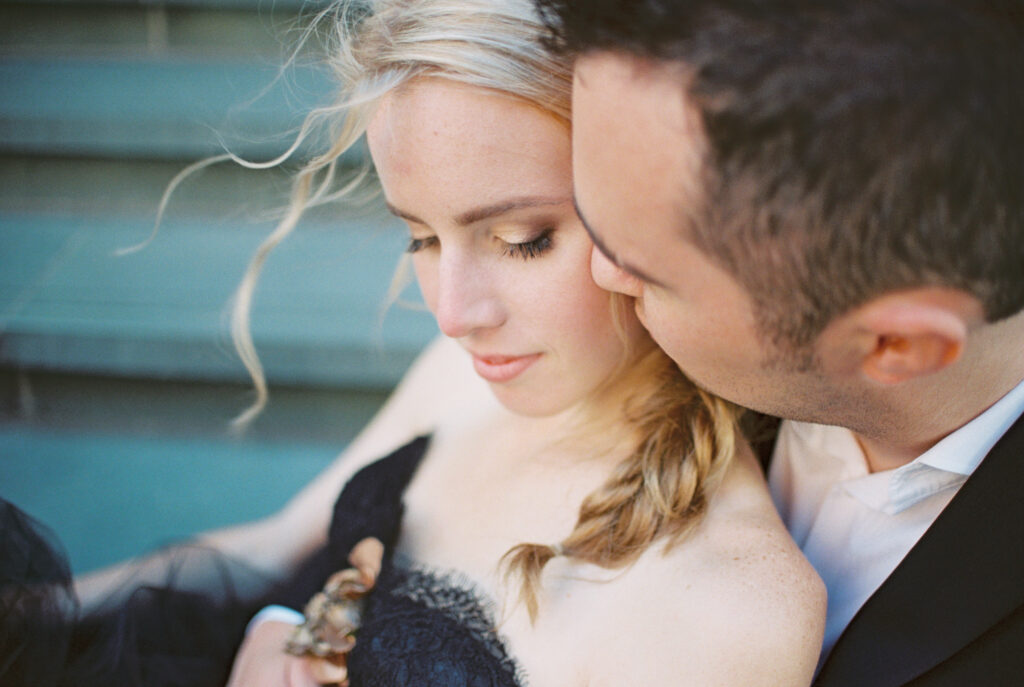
<point>855,148</point>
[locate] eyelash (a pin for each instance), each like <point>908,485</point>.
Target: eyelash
<point>525,250</point>
<point>529,249</point>
<point>416,245</point>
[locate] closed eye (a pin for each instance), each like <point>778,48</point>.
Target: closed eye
<point>530,249</point>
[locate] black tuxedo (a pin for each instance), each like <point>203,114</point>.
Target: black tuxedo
<point>952,612</point>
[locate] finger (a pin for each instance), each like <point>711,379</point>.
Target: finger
<point>366,556</point>
<point>326,672</point>
<point>298,674</point>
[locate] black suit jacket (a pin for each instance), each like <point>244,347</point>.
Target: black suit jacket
<point>952,612</point>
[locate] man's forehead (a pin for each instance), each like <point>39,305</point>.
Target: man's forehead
<point>638,152</point>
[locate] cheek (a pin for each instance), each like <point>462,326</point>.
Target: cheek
<point>584,303</point>
<point>586,315</point>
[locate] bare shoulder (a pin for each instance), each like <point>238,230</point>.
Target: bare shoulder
<point>735,603</point>
<point>743,539</point>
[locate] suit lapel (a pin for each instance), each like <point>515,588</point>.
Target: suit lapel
<point>961,577</point>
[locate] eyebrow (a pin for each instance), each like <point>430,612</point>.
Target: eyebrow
<point>486,211</point>
<point>625,267</point>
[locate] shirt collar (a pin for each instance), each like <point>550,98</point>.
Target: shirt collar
<point>963,450</point>
<point>946,465</point>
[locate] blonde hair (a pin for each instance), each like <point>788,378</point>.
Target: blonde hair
<point>658,492</point>
<point>685,437</point>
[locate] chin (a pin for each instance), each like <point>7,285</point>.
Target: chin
<point>537,404</point>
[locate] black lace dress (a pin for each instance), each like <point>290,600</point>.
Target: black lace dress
<point>420,626</point>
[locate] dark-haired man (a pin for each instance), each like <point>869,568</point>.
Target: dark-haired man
<point>819,208</point>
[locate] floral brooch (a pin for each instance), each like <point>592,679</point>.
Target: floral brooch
<point>334,615</point>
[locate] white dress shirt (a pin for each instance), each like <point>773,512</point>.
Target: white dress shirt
<point>855,526</point>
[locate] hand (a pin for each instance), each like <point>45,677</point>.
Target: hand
<point>262,662</point>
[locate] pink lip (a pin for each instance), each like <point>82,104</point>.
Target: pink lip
<point>502,368</point>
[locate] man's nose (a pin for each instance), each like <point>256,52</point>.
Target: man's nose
<point>611,277</point>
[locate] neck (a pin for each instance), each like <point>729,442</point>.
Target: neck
<point>882,455</point>
<point>574,432</point>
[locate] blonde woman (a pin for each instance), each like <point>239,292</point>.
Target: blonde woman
<point>574,511</point>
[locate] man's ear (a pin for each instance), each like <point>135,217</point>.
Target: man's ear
<point>903,335</point>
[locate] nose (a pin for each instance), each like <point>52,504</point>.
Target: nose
<point>467,299</point>
<point>611,277</point>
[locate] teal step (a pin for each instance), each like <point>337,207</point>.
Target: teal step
<point>68,302</point>
<point>112,497</point>
<point>153,107</point>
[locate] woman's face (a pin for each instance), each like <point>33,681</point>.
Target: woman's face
<point>484,182</point>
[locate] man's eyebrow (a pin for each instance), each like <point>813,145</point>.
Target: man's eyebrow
<point>486,211</point>
<point>625,267</point>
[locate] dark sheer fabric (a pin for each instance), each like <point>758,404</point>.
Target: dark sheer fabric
<point>37,603</point>
<point>421,627</point>
<point>171,634</point>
